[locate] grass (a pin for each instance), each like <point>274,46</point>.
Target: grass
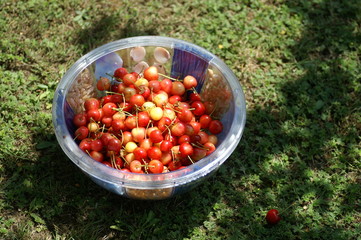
<point>299,64</point>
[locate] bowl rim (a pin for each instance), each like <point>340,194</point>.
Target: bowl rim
<point>148,181</point>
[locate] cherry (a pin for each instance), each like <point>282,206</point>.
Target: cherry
<point>93,127</point>
<point>178,129</point>
<point>120,88</point>
<point>91,103</point>
<point>118,125</point>
<point>146,144</point>
<point>144,91</point>
<point>205,120</point>
<point>130,122</point>
<point>185,149</point>
<point>196,126</point>
<point>81,133</point>
<point>129,79</point>
<point>137,100</point>
<point>156,136</point>
<point>94,114</point>
<point>128,93</point>
<point>174,99</point>
<point>163,123</point>
<point>108,109</point>
<point>155,166</point>
<point>114,145</point>
<point>119,73</point>
<point>166,158</point>
<point>190,82</point>
<point>119,163</point>
<point>185,115</point>
<point>143,119</point>
<point>80,119</point>
<point>103,84</point>
<point>136,166</point>
<point>178,88</point>
<point>107,121</point>
<point>106,99</point>
<point>198,154</point>
<point>199,108</point>
<point>105,138</point>
<point>165,146</point>
<point>154,86</point>
<point>154,153</point>
<point>272,217</point>
<point>174,165</point>
<point>116,98</point>
<point>85,144</point>
<point>166,85</point>
<point>184,138</point>
<point>204,137</point>
<point>151,73</point>
<point>96,145</point>
<point>210,146</point>
<point>194,97</point>
<point>138,134</point>
<point>97,156</point>
<point>140,153</point>
<point>215,127</point>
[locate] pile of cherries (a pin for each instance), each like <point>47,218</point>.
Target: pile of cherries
<point>147,123</point>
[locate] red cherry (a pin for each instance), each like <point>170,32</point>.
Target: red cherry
<point>103,84</point>
<point>194,97</point>
<point>143,119</point>
<point>166,85</point>
<point>91,103</point>
<point>154,153</point>
<point>178,88</point>
<point>119,73</point>
<point>155,166</point>
<point>165,146</point>
<point>94,114</point>
<point>108,109</point>
<point>136,166</point>
<point>185,149</point>
<point>154,86</point>
<point>80,119</point>
<point>140,153</point>
<point>272,217</point>
<point>81,133</point>
<point>199,108</point>
<point>156,136</point>
<point>215,127</point>
<point>129,79</point>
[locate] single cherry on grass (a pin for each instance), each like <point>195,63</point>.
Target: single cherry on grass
<point>273,217</point>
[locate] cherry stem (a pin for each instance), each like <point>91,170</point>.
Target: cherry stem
<point>76,136</point>
<point>189,157</point>
<point>168,77</point>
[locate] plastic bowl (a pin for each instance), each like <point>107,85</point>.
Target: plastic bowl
<point>217,83</point>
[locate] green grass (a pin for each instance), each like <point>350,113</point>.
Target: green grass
<point>299,64</point>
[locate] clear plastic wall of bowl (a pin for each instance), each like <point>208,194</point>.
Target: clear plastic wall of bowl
<point>175,58</point>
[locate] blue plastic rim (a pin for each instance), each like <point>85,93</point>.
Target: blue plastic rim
<point>187,58</point>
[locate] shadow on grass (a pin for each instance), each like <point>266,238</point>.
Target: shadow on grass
<point>99,32</point>
<point>279,152</point>
<point>302,146</point>
<point>56,193</point>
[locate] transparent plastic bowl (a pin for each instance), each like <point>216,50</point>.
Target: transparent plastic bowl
<point>217,83</point>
